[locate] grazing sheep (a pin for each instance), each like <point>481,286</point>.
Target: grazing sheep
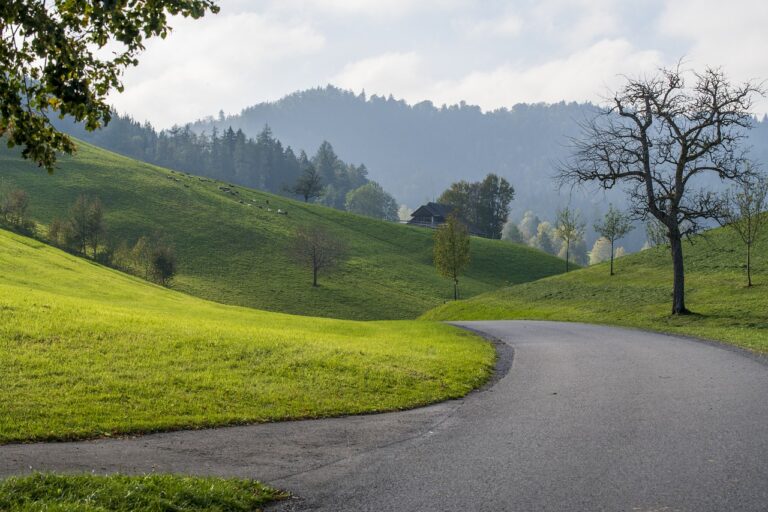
<point>282,212</point>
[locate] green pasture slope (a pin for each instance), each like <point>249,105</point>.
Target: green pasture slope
<point>639,295</point>
<point>86,351</point>
<point>234,253</point>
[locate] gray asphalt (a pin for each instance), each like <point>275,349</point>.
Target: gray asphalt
<point>587,418</point>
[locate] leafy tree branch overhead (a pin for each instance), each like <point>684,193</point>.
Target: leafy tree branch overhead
<point>64,57</point>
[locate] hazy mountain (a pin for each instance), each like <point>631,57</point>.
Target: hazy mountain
<point>416,151</point>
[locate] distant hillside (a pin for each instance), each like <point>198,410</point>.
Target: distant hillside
<point>416,151</point>
<point>232,248</point>
<point>639,295</point>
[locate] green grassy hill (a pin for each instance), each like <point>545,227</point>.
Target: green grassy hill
<point>639,294</point>
<point>234,253</point>
<point>87,351</point>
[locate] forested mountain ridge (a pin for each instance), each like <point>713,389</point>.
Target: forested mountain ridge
<point>417,151</point>
<point>414,151</point>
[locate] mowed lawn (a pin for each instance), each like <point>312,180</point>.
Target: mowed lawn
<point>86,351</point>
<point>639,295</point>
<point>232,245</point>
<point>122,493</point>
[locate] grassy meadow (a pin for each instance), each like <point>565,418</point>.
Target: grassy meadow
<point>640,294</point>
<point>232,250</point>
<point>121,493</point>
<point>86,351</point>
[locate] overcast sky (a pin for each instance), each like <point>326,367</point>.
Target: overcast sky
<point>485,52</point>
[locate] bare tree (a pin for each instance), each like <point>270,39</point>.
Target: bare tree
<point>744,212</point>
<point>318,249</point>
<point>614,226</point>
<point>662,138</point>
<point>569,228</point>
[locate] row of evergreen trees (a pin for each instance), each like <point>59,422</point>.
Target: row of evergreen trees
<point>228,155</point>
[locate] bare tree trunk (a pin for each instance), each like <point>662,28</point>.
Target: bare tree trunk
<point>314,275</point>
<point>749,264</point>
<point>611,256</point>
<point>455,289</point>
<point>567,254</point>
<point>678,294</point>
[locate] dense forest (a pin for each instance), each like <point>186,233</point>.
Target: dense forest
<point>261,162</point>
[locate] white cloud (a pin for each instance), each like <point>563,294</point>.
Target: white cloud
<point>489,53</point>
<point>576,23</point>
<point>213,63</point>
<point>731,35</point>
<point>508,25</point>
<point>388,73</point>
<point>368,8</point>
<point>583,75</point>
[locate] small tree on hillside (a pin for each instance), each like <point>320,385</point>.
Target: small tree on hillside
<point>310,183</point>
<point>318,249</point>
<point>163,263</point>
<point>86,224</point>
<point>79,223</point>
<point>96,226</point>
<point>451,250</point>
<point>569,228</point>
<point>14,205</point>
<point>745,214</point>
<point>614,226</point>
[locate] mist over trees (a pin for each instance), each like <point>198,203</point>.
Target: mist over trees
<point>229,155</point>
<point>416,151</point>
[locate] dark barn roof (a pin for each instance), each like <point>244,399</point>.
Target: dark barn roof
<point>433,210</point>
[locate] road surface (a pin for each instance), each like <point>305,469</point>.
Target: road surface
<point>586,418</point>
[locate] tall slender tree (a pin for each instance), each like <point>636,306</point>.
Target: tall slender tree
<point>451,250</point>
<point>494,196</point>
<point>569,228</point>
<point>745,213</point>
<point>614,226</point>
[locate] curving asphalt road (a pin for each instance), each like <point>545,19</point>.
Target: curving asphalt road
<point>587,418</point>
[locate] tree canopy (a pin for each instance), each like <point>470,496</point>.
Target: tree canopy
<point>483,204</point>
<point>53,61</point>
